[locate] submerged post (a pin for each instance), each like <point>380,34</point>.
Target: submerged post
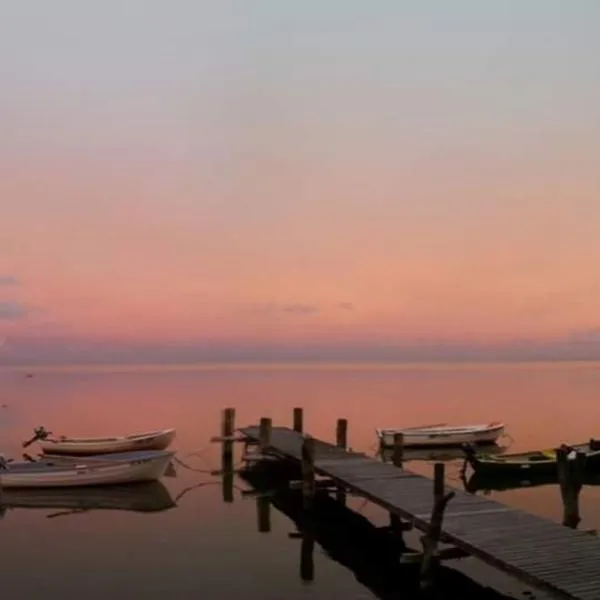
<point>227,472</point>
<point>307,550</point>
<point>308,471</point>
<point>298,419</point>
<point>398,453</point>
<point>431,538</point>
<point>263,512</point>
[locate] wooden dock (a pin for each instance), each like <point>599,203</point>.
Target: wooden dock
<point>561,561</point>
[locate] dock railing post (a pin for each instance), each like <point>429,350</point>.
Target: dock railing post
<point>431,538</point>
<point>308,472</point>
<point>298,420</point>
<point>570,479</point>
<point>398,453</point>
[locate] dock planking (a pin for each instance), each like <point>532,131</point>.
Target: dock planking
<point>556,559</point>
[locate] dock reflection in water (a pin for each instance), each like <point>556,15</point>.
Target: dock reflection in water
<point>135,497</point>
<point>373,554</point>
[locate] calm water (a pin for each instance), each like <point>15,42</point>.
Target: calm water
<point>199,545</point>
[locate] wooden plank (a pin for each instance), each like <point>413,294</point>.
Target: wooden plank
<point>544,554</point>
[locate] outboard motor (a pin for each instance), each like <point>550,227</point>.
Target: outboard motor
<point>39,433</point>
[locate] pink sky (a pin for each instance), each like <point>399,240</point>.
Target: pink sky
<point>374,179</point>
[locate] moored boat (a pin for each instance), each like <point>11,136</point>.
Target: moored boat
<point>132,467</point>
<point>443,435</point>
<point>441,454</point>
<point>86,446</point>
<point>538,462</point>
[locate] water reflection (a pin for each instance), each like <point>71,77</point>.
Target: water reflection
<point>135,497</point>
<point>371,553</point>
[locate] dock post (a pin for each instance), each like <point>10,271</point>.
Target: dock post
<point>308,471</point>
<point>227,433</point>
<point>341,433</point>
<point>398,454</point>
<point>264,439</point>
<point>431,538</point>
<point>263,512</point>
<point>227,429</point>
<point>298,419</point>
<point>341,441</point>
<point>570,479</point>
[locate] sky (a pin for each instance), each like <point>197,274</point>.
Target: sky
<point>235,176</point>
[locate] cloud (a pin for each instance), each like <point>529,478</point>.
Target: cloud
<point>11,311</point>
<point>294,308</point>
<point>300,309</point>
<point>346,305</point>
<point>8,280</point>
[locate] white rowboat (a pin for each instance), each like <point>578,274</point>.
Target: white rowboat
<point>135,466</point>
<point>152,440</point>
<point>443,435</point>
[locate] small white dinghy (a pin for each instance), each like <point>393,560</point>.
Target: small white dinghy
<point>443,435</point>
<point>151,440</point>
<point>131,467</point>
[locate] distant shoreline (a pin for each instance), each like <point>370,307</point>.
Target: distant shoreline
<point>460,364</point>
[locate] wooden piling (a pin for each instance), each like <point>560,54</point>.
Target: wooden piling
<point>298,419</point>
<point>431,538</point>
<point>263,513</point>
<point>341,433</point>
<point>398,453</point>
<point>341,441</point>
<point>265,435</point>
<point>227,430</point>
<point>308,471</point>
<point>570,479</point>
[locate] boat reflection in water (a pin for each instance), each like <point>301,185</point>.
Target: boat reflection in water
<point>491,482</point>
<point>142,497</point>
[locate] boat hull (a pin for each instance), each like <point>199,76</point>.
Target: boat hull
<point>533,464</point>
<point>159,440</point>
<point>144,466</point>
<point>439,437</point>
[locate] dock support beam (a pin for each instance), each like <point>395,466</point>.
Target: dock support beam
<point>431,538</point>
<point>570,479</point>
<point>308,472</point>
<point>298,420</point>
